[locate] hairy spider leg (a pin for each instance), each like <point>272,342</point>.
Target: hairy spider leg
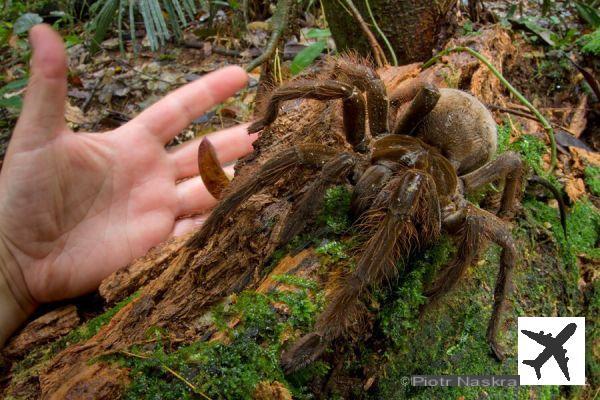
<point>478,227</point>
<point>310,203</point>
<point>424,101</point>
<point>368,186</point>
<point>300,155</point>
<point>211,172</point>
<point>404,216</point>
<point>366,79</point>
<point>509,167</point>
<point>352,100</point>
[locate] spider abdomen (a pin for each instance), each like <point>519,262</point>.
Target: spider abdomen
<point>462,128</point>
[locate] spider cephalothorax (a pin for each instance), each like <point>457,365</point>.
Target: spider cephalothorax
<point>409,187</point>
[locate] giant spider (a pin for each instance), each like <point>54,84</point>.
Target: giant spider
<point>410,184</point>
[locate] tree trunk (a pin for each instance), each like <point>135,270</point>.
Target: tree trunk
<point>411,26</point>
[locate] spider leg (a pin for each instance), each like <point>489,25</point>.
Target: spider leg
<point>311,201</point>
<point>366,79</point>
<point>367,188</point>
<point>424,101</point>
<point>405,215</point>
<point>479,226</point>
<point>352,100</point>
<point>507,166</point>
<point>299,155</point>
<point>211,172</point>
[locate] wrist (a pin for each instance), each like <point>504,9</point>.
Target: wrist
<point>16,304</point>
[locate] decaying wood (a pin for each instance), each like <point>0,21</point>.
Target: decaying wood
<point>44,329</point>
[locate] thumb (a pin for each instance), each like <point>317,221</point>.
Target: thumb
<point>43,114</point>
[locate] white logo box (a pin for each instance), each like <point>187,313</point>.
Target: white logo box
<point>548,344</point>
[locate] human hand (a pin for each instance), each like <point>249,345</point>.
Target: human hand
<point>76,207</point>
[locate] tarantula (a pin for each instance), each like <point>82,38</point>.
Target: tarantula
<point>410,184</point>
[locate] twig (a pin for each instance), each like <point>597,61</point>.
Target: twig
<point>88,101</point>
<point>226,52</point>
<point>383,37</point>
<point>515,92</point>
<point>280,20</point>
<point>523,114</point>
<point>245,11</point>
<point>378,53</point>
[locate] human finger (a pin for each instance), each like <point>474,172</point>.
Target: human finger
<point>193,197</point>
<point>187,225</point>
<point>43,114</point>
<point>167,117</point>
<point>230,144</point>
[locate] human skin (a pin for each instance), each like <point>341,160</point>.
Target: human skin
<point>75,207</point>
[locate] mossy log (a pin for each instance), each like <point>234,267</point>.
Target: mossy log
<point>211,322</point>
<point>411,26</point>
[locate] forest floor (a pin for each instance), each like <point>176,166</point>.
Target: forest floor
<point>555,277</point>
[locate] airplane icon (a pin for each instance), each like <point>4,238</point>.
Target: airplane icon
<point>553,348</point>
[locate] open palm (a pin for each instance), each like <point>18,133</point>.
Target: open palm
<point>76,207</point>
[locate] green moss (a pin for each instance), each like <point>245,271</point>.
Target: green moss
<point>221,371</point>
<point>592,179</point>
<point>333,251</point>
<point>532,150</point>
<point>297,281</point>
<point>231,370</point>
<point>402,314</point>
<point>583,225</point>
<point>503,137</point>
<point>336,207</point>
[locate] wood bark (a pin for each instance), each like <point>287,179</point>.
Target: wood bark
<point>411,26</point>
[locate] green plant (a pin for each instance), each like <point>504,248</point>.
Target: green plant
<point>306,56</point>
<point>158,29</point>
<point>588,12</point>
<point>336,209</point>
<point>590,43</point>
<point>9,97</point>
<point>592,179</point>
<point>503,137</point>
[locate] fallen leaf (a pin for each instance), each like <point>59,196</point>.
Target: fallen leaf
<point>259,26</point>
<point>579,120</point>
<point>74,115</point>
<point>565,139</point>
<point>575,188</point>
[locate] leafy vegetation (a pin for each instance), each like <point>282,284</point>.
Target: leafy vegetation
<point>590,43</point>
<point>158,29</point>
